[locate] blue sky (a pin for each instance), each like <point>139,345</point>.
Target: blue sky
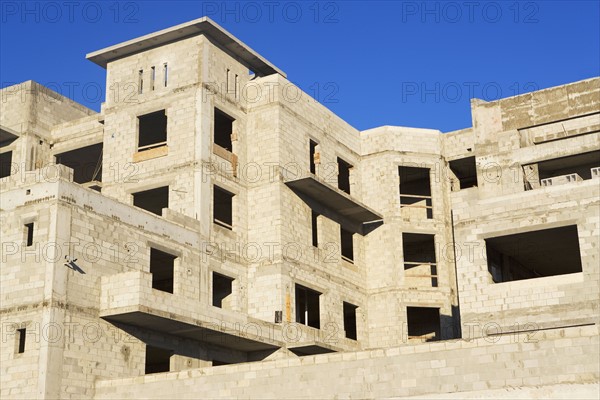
<point>408,63</point>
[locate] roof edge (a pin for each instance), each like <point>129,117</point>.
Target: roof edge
<point>200,26</point>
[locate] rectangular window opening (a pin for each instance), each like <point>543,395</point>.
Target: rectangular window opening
<point>343,175</point>
<point>86,163</point>
<point>153,200</point>
<point>223,130</point>
<point>312,151</point>
<point>415,190</point>
<point>29,234</point>
<point>423,323</point>
<point>465,170</point>
<point>22,335</point>
<point>419,257</point>
<point>350,320</point>
<point>141,81</point>
<point>157,360</point>
<point>558,171</point>
<point>314,228</point>
<point>222,291</point>
<point>223,207</point>
<point>162,268</point>
<point>307,307</point>
<point>347,245</point>
<point>152,130</point>
<point>5,164</point>
<point>537,254</point>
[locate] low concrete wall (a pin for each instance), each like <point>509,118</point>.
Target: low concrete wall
<point>535,364</point>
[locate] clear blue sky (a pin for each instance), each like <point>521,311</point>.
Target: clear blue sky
<point>408,63</point>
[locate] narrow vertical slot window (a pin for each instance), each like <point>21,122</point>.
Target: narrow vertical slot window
<point>29,234</point>
<point>152,77</point>
<point>315,232</point>
<point>141,81</point>
<point>236,84</point>
<point>312,151</point>
<point>22,334</point>
<point>166,73</point>
<point>227,82</point>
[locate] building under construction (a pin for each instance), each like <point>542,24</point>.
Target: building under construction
<point>209,235</point>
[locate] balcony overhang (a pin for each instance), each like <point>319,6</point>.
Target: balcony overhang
<point>315,190</point>
<point>201,331</point>
<point>311,349</point>
<point>7,136</point>
<point>127,300</point>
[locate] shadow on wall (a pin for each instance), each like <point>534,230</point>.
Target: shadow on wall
<point>426,324</point>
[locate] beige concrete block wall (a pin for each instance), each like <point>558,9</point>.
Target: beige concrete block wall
<point>20,372</point>
<point>123,176</point>
<point>108,238</point>
<point>76,134</point>
<point>543,106</point>
<point>183,60</point>
<point>215,78</point>
<point>31,107</point>
<point>23,296</point>
<point>391,289</point>
<point>16,106</point>
<point>543,301</point>
<point>548,358</point>
<point>457,144</point>
<point>31,110</point>
<point>320,269</point>
<point>500,205</point>
<point>34,292</point>
<point>261,174</point>
<point>24,267</point>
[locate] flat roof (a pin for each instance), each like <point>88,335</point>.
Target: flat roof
<point>200,26</point>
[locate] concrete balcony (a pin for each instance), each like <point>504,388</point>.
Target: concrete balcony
<point>335,204</point>
<point>128,298</point>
